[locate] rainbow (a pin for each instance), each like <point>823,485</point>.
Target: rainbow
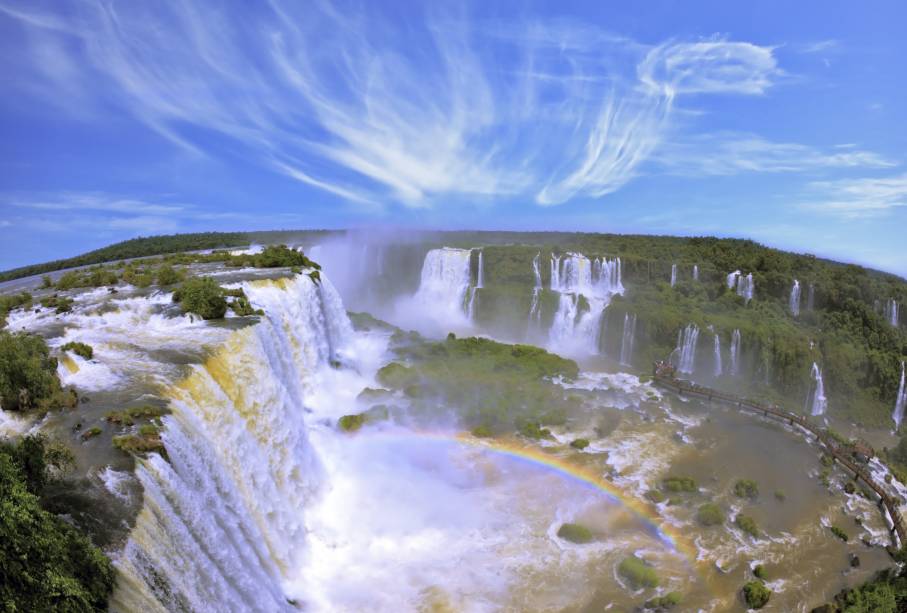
<point>670,536</point>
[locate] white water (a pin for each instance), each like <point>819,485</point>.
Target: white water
<point>732,279</point>
<point>574,277</point>
<point>900,402</point>
<point>745,287</point>
<point>735,353</point>
<point>794,301</point>
<point>686,349</point>
<point>673,275</point>
<point>695,272</point>
<point>819,402</point>
<point>444,293</point>
<point>718,371</point>
<point>480,277</point>
<point>628,340</point>
<point>534,311</point>
<point>892,312</point>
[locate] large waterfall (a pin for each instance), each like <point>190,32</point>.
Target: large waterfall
<point>816,401</point>
<point>718,370</point>
<point>628,340</point>
<point>222,525</point>
<point>900,402</point>
<point>445,289</point>
<point>794,301</point>
<point>535,312</point>
<point>581,283</point>
<point>732,279</point>
<point>686,349</point>
<point>891,312</point>
<point>745,286</point>
<point>735,353</point>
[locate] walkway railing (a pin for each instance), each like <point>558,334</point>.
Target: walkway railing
<point>841,453</point>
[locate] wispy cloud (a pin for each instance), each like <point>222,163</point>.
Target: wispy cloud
<point>356,105</point>
<point>819,46</point>
<point>855,198</point>
<point>728,153</point>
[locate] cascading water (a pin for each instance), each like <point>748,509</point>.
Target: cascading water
<point>695,272</point>
<point>628,340</point>
<point>819,403</point>
<point>794,301</point>
<point>900,402</point>
<point>732,279</point>
<point>474,290</point>
<point>577,279</point>
<point>686,349</point>
<point>480,276</point>
<point>745,287</point>
<point>892,312</point>
<point>534,310</point>
<point>718,371</point>
<point>735,353</point>
<point>222,524</point>
<point>673,275</point>
<point>445,283</point>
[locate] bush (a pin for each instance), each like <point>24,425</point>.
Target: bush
<point>482,432</point>
<point>638,573</point>
<point>139,444</point>
<point>202,296</point>
<point>838,532</point>
<point>656,496</point>
<point>28,374</point>
<point>662,603</point>
<point>243,308</point>
<point>127,417</point>
<point>80,349</point>
<point>744,488</point>
<point>759,572</point>
<point>747,524</point>
<point>45,564</point>
<point>575,533</point>
<point>710,514</point>
<point>167,275</point>
<point>351,423</point>
<point>679,484</point>
<point>91,433</point>
<point>535,431</point>
<point>756,595</point>
<point>60,304</point>
<point>579,443</point>
<point>396,376</point>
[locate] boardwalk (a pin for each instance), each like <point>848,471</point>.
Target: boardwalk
<point>843,454</point>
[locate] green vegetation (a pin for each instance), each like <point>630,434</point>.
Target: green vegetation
<point>664,603</point>
<point>202,296</point>
<point>744,488</point>
<point>80,349</point>
<point>884,593</point>
<point>91,433</point>
<point>656,496</point>
<point>482,432</point>
<point>710,514</point>
<point>128,417</point>
<point>579,443</point>
<point>139,444</point>
<point>351,423</point>
<point>756,595</point>
<point>747,524</point>
<point>60,304</point>
<point>780,496</point>
<point>45,564</point>
<point>838,532</point>
<point>9,303</point>
<point>167,275</point>
<point>638,573</point>
<point>534,430</point>
<point>676,484</point>
<point>575,533</point>
<point>28,374</point>
<point>759,572</point>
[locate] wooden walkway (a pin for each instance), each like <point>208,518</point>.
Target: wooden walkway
<point>843,454</point>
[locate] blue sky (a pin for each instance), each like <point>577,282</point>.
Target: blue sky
<point>778,121</point>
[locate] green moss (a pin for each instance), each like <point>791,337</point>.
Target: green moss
<point>759,572</point>
<point>579,443</point>
<point>747,524</point>
<point>139,445</point>
<point>91,433</point>
<point>710,514</point>
<point>80,349</point>
<point>128,417</point>
<point>745,488</point>
<point>575,533</point>
<point>677,484</point>
<point>396,376</point>
<point>756,595</point>
<point>664,603</point>
<point>638,573</point>
<point>242,308</point>
<point>838,532</point>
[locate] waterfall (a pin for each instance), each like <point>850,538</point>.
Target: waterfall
<point>673,275</point>
<point>534,311</point>
<point>819,402</point>
<point>471,306</point>
<point>794,301</point>
<point>745,287</point>
<point>686,348</point>
<point>732,279</point>
<point>221,526</point>
<point>891,312</point>
<point>480,280</point>
<point>695,272</point>
<point>735,353</point>
<point>574,276</point>
<point>900,403</point>
<point>444,287</point>
<point>718,369</point>
<point>811,297</point>
<point>629,338</point>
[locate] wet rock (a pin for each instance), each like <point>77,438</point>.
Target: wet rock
<point>854,560</point>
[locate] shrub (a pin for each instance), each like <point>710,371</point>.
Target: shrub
<point>128,416</point>
<point>138,444</point>
<point>80,349</point>
<point>534,430</point>
<point>756,595</point>
<point>91,433</point>
<point>351,423</point>
<point>747,524</point>
<point>482,431</point>
<point>575,533</point>
<point>679,484</point>
<point>60,304</point>
<point>838,532</point>
<point>28,374</point>
<point>780,496</point>
<point>579,443</point>
<point>656,496</point>
<point>243,308</point>
<point>202,296</point>
<point>759,572</point>
<point>710,514</point>
<point>638,573</point>
<point>167,275</point>
<point>745,488</point>
<point>396,376</point>
<point>661,603</point>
